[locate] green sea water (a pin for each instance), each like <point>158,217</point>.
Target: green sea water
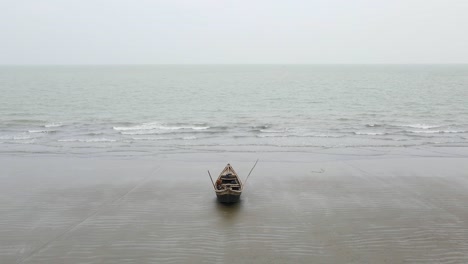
<point>139,110</point>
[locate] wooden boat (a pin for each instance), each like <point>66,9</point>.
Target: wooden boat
<point>228,186</point>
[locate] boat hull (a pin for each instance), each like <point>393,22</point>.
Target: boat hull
<point>228,198</point>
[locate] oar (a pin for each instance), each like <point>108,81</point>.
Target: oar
<point>250,173</point>
<point>211,180</point>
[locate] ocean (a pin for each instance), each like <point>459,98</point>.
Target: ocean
<point>149,110</point>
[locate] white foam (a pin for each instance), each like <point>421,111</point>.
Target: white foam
<point>436,131</point>
<point>271,135</point>
<point>425,131</point>
<point>89,140</point>
<point>172,127</point>
<point>200,128</point>
<point>150,138</point>
<point>40,131</point>
<point>454,131</point>
<point>145,126</point>
<point>369,133</point>
<point>324,135</point>
<point>181,127</point>
<point>422,126</point>
<point>189,138</point>
<point>53,125</point>
<point>25,137</point>
<point>317,135</point>
<point>271,131</point>
<point>140,132</point>
<point>20,138</point>
<point>154,126</point>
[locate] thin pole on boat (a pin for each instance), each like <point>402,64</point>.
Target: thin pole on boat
<point>250,172</point>
<point>211,180</point>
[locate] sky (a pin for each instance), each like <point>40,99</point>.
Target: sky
<point>233,31</point>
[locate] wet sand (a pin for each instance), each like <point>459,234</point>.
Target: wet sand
<point>296,208</point>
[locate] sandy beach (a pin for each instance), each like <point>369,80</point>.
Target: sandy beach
<point>296,208</point>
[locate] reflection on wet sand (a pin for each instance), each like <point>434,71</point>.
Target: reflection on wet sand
<point>228,212</point>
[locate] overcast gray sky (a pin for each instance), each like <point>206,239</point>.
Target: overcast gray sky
<point>233,31</point>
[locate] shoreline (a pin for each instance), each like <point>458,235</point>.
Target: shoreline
<point>280,154</point>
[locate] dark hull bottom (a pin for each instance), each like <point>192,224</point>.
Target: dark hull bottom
<point>228,198</point>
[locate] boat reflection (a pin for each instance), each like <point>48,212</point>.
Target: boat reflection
<point>228,211</point>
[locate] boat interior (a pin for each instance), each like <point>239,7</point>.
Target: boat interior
<point>228,181</point>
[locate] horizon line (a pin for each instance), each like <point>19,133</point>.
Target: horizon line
<point>221,64</point>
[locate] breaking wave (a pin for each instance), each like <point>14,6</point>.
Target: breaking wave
<point>373,125</point>
<point>87,140</point>
<point>17,137</point>
<point>271,131</point>
<point>41,131</point>
<point>159,126</point>
<point>422,126</point>
<point>369,133</point>
<point>53,125</point>
<point>436,131</point>
<point>151,138</point>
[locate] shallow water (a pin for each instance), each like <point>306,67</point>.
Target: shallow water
<point>145,110</point>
